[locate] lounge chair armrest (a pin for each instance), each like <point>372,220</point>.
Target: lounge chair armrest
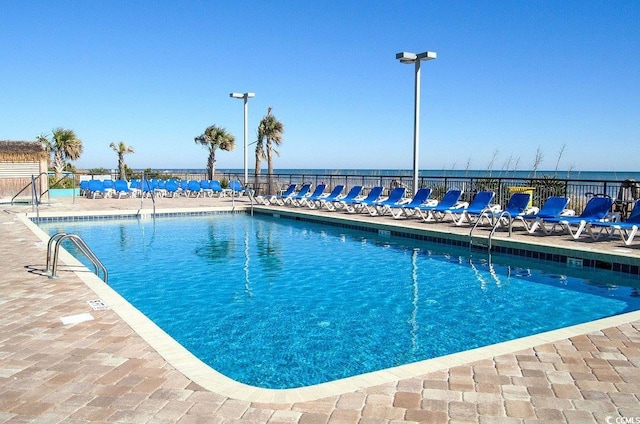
<point>612,217</point>
<point>532,210</point>
<point>431,202</point>
<point>494,208</point>
<point>461,205</point>
<point>568,212</point>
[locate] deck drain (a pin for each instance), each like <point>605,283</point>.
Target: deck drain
<point>97,305</point>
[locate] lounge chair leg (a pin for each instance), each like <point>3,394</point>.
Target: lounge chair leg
<point>629,238</point>
<point>581,227</point>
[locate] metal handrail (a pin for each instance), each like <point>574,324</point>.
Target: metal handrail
<point>55,183</point>
<point>57,239</point>
<point>247,191</point>
<point>496,224</point>
<point>250,193</point>
<point>475,225</point>
<point>153,198</point>
<point>503,214</point>
<point>32,183</point>
<point>34,198</point>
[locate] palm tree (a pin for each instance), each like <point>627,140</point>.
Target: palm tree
<point>215,137</point>
<point>64,145</point>
<point>270,132</point>
<point>121,149</point>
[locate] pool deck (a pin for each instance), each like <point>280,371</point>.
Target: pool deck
<point>103,370</point>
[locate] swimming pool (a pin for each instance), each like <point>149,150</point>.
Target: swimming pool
<point>279,303</point>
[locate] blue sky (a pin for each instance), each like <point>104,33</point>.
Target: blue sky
<point>511,78</point>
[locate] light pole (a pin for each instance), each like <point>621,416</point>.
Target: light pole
<point>246,97</point>
<point>406,57</point>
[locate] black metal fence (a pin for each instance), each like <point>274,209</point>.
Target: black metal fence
<point>578,191</point>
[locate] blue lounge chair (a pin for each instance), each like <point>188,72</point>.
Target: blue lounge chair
<point>553,207</point>
<point>122,187</point>
<point>277,199</point>
<point>205,186</point>
<point>96,188</point>
<point>162,187</point>
<point>409,209</point>
<point>109,187</point>
<point>84,188</point>
<point>340,202</point>
<point>480,204</point>
<point>357,205</point>
<point>194,188</point>
<point>334,195</point>
<point>627,229</point>
<point>381,207</point>
<point>267,200</point>
<point>184,188</point>
<point>236,187</point>
<point>148,187</point>
<point>171,187</point>
<point>216,187</point>
<point>136,186</point>
<point>289,191</point>
<point>304,201</point>
<point>304,191</point>
<point>597,210</point>
<point>450,200</point>
<point>517,205</point>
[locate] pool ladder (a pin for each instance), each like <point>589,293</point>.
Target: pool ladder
<point>496,224</point>
<point>56,240</point>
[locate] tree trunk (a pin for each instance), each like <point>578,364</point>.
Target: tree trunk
<point>211,164</point>
<point>58,164</point>
<point>123,176</point>
<point>256,176</point>
<point>270,170</point>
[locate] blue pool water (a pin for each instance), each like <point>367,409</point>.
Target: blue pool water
<point>279,303</point>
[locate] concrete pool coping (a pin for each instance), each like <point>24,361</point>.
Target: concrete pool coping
<point>209,379</point>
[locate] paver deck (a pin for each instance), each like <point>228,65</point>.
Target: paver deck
<point>101,370</point>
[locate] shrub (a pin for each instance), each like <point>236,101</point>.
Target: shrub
<point>547,186</point>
